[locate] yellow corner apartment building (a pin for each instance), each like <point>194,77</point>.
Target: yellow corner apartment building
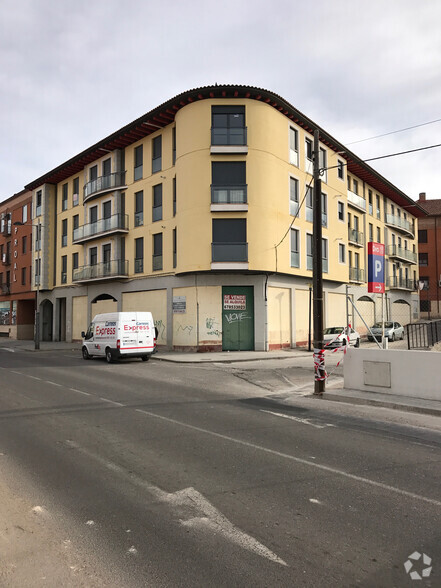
<point>200,211</point>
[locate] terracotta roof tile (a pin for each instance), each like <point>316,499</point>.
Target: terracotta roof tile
<point>433,207</point>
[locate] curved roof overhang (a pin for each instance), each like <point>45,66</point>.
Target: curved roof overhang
<point>163,115</point>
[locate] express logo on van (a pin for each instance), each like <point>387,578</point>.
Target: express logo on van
<point>103,331</point>
<point>138,327</point>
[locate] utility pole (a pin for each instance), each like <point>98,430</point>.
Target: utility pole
<point>319,354</point>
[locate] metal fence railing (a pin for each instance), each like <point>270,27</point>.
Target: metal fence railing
<point>423,335</point>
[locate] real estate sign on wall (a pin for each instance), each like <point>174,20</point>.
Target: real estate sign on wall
<point>235,302</point>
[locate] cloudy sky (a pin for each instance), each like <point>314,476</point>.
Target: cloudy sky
<point>74,71</point>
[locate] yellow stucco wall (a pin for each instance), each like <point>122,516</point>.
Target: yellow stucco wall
<point>279,317</point>
<point>301,314</point>
<point>185,324</point>
<point>103,306</point>
<point>154,301</point>
<point>336,315</point>
<point>79,316</point>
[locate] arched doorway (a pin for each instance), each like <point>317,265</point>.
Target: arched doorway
<point>46,318</point>
<point>401,311</point>
<point>366,307</point>
<point>103,303</point>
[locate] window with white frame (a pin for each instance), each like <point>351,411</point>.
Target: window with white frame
<point>295,253</point>
<point>324,210</point>
<point>308,148</point>
<point>309,204</point>
<point>309,259</point>
<point>340,169</point>
<point>325,255</point>
<point>342,253</point>
<point>293,146</point>
<point>341,211</point>
<point>323,163</point>
<point>293,196</point>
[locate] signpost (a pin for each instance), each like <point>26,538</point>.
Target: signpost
<point>376,275</point>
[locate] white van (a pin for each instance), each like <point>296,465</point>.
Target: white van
<point>116,335</point>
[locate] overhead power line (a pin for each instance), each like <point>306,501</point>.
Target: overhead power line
<point>388,155</point>
<point>430,122</point>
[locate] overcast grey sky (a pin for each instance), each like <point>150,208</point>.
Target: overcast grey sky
<point>73,71</point>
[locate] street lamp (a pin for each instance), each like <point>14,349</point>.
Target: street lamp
<point>37,301</point>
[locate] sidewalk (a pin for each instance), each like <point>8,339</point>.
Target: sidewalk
<point>381,399</point>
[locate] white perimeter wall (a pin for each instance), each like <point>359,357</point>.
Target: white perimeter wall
<point>407,373</point>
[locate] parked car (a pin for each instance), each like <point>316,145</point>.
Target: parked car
<point>392,330</point>
<point>337,337</point>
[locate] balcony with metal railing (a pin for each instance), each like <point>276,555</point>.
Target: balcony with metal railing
<point>117,223</point>
<point>117,268</point>
<point>104,184</point>
<point>396,252</point>
<point>229,252</point>
<point>356,201</point>
<point>6,228</point>
<point>229,198</point>
<point>229,140</point>
<point>356,274</point>
<point>6,259</point>
<point>400,224</point>
<point>399,283</point>
<point>355,237</point>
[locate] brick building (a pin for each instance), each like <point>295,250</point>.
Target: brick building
<point>429,257</point>
<point>17,299</point>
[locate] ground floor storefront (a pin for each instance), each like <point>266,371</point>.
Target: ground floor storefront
<point>17,316</point>
<point>229,312</point>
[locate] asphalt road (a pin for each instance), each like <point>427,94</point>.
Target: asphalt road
<point>164,474</point>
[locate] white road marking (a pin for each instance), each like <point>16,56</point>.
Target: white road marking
<point>34,378</point>
<point>196,510</point>
<point>18,373</point>
<point>298,419</point>
<point>296,459</point>
<point>7,349</point>
<point>80,391</point>
<point>111,401</point>
<point>315,501</point>
<point>90,523</point>
<point>53,383</point>
<point>132,550</point>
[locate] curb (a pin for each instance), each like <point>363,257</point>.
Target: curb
<point>382,404</point>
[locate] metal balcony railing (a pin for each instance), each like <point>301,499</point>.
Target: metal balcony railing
<point>399,223</point>
<point>295,259</point>
<point>115,223</point>
<point>104,184</point>
<point>401,253</point>
<point>229,194</point>
<point>397,283</point>
<point>223,136</point>
<point>157,262</point>
<point>101,271</point>
<point>234,252</point>
<point>356,237</point>
<point>6,259</point>
<point>356,200</point>
<point>356,274</point>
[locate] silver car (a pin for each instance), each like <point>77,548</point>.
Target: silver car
<point>392,330</point>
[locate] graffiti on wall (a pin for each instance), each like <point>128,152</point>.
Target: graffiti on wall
<point>210,325</point>
<point>161,329</point>
<point>187,329</point>
<point>234,317</point>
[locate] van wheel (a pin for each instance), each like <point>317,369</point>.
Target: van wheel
<point>86,354</point>
<point>145,357</point>
<point>109,356</point>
